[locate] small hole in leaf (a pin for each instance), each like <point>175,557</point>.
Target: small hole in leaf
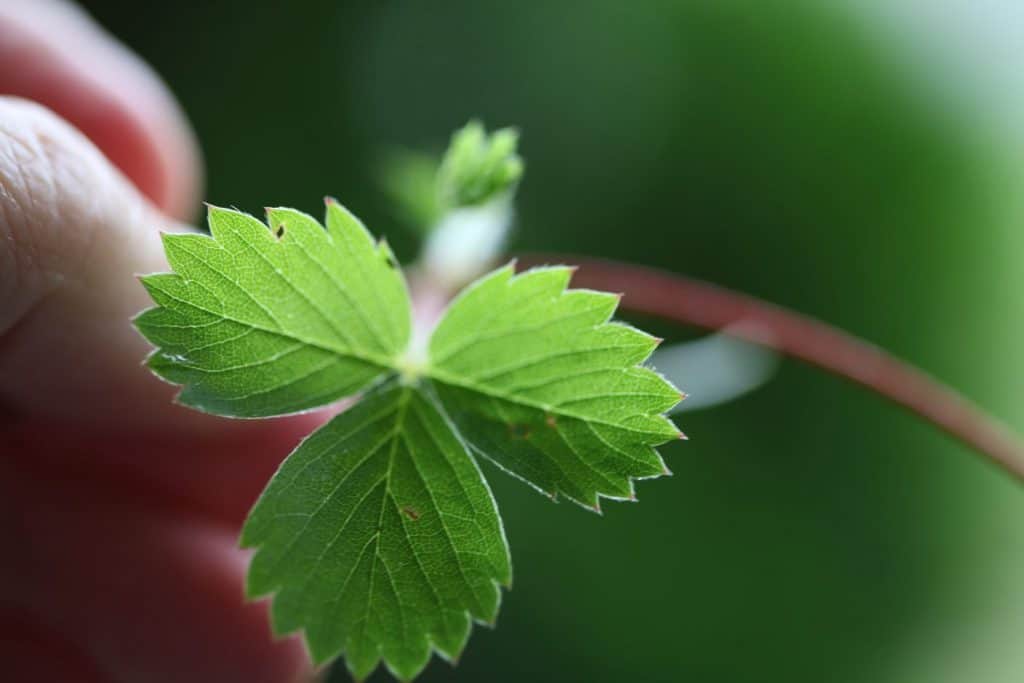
<point>279,232</point>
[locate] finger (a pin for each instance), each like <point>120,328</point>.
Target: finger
<point>218,476</point>
<point>73,234</point>
<point>52,53</point>
<point>31,652</point>
<point>150,596</point>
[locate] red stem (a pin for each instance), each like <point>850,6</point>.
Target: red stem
<point>694,302</point>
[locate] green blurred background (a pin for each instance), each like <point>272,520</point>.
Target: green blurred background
<point>834,157</point>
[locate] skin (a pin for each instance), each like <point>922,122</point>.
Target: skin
<point>119,510</point>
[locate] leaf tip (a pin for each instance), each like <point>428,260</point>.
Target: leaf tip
<point>212,208</point>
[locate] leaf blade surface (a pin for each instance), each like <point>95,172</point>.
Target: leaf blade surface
<point>379,537</point>
<point>257,321</point>
<point>540,381</point>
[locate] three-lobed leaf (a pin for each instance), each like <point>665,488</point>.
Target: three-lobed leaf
<point>378,537</point>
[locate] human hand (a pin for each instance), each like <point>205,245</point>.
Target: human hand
<point>119,510</point>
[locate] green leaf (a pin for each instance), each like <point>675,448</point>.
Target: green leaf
<point>380,537</point>
<point>478,167</point>
<point>260,321</point>
<point>540,382</point>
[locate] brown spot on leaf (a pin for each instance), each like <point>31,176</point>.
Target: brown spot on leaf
<point>519,431</point>
<point>410,512</point>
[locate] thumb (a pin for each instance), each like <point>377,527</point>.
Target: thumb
<point>73,232</point>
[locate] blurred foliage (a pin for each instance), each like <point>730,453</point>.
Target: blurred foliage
<point>409,180</point>
<point>811,532</point>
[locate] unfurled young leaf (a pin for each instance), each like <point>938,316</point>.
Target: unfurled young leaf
<point>478,166</point>
<point>378,537</point>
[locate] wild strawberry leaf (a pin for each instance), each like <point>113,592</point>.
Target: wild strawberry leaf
<point>379,537</point>
<point>539,381</point>
<point>259,321</point>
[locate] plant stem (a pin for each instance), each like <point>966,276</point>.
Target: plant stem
<point>694,302</point>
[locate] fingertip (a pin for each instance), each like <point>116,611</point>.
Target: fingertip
<point>53,53</point>
<point>156,594</point>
